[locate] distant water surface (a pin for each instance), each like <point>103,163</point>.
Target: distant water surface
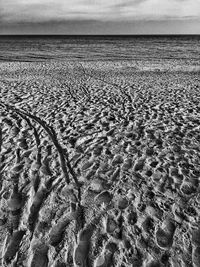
<point>174,49</point>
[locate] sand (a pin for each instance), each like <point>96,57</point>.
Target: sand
<point>99,166</point>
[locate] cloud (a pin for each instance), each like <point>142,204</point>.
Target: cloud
<point>189,26</point>
<point>13,11</point>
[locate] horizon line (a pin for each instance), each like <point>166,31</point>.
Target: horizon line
<point>97,35</point>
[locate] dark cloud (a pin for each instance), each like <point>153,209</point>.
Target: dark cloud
<point>128,3</point>
<point>110,27</point>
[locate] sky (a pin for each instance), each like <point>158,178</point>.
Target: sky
<point>99,16</point>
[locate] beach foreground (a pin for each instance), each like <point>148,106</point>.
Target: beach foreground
<point>99,164</point>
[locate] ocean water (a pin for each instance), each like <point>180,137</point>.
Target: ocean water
<point>159,51</point>
<point>32,48</point>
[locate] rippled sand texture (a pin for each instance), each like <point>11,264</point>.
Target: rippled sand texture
<point>99,166</point>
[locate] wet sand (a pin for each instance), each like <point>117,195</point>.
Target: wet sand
<point>99,165</point>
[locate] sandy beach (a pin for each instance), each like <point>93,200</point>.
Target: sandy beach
<point>99,164</point>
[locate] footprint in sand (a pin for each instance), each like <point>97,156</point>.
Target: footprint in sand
<point>106,257</point>
<point>13,245</point>
<point>40,256</point>
<point>164,235</point>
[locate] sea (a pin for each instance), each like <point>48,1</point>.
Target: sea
<point>177,51</point>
